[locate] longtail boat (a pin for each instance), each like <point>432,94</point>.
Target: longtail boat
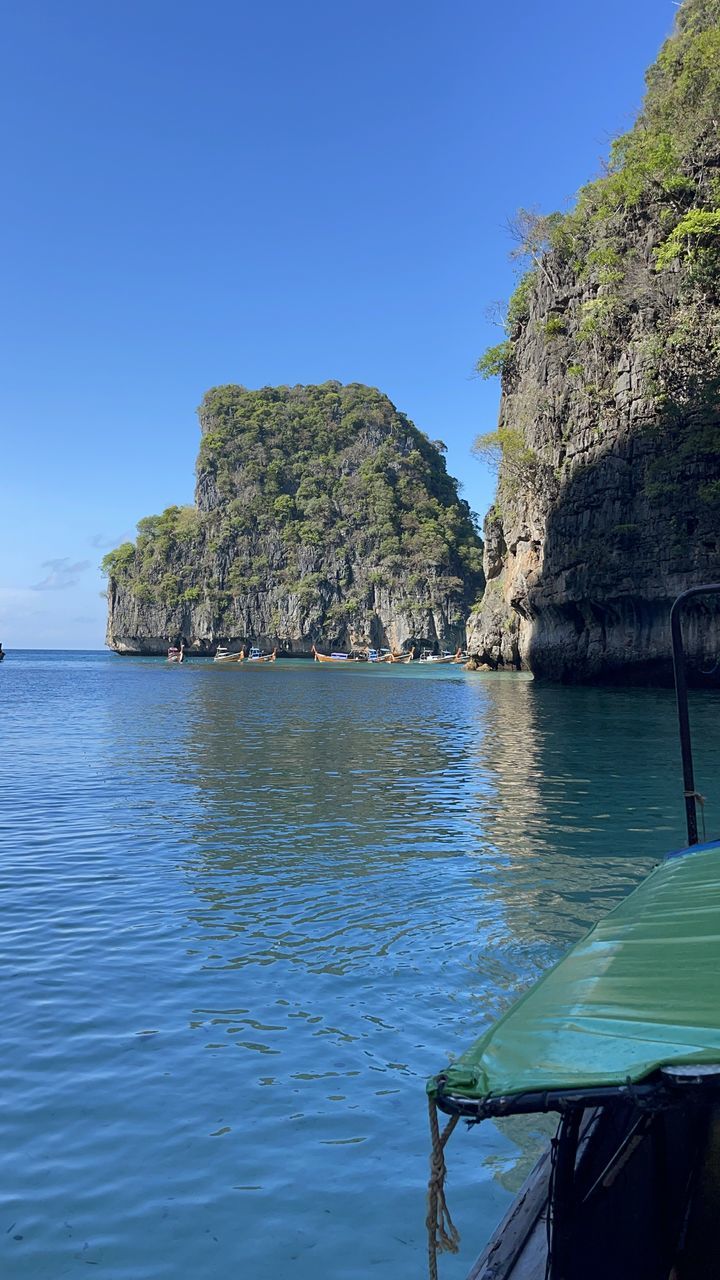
<point>399,657</point>
<point>256,655</point>
<point>332,657</point>
<point>622,1040</point>
<point>224,655</point>
<point>437,658</point>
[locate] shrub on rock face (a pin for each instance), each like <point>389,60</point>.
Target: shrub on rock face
<point>695,240</point>
<point>119,563</point>
<point>506,448</point>
<point>495,360</point>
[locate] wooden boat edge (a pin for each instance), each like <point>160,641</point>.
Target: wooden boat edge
<point>528,1207</point>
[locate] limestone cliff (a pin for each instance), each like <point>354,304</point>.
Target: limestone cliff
<point>608,440</point>
<point>321,515</point>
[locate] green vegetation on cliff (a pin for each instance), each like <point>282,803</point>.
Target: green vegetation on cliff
<point>663,172</point>
<point>321,464</point>
<point>321,495</point>
<point>608,440</point>
<point>646,234</point>
<point>161,541</point>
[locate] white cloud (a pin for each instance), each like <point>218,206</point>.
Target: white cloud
<point>63,574</point>
<point>104,543</point>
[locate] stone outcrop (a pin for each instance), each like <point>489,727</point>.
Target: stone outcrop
<point>608,500</point>
<point>322,515</point>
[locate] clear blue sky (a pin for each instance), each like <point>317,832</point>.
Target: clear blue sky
<point>198,193</point>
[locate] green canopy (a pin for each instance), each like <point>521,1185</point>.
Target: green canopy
<point>641,991</point>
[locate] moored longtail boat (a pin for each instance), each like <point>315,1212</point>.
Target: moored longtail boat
<point>398,656</point>
<point>255,655</point>
<point>332,657</point>
<point>223,655</point>
<point>622,1040</point>
<point>438,658</point>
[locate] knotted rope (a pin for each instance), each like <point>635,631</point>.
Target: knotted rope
<point>443,1235</point>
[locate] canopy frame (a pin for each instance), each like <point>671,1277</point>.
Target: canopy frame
<point>681,693</point>
<point>668,1087</point>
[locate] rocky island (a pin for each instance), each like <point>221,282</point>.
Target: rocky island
<point>321,514</point>
<point>608,443</point>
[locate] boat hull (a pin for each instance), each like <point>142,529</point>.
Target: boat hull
<point>444,659</point>
<point>328,657</point>
<point>653,1176</point>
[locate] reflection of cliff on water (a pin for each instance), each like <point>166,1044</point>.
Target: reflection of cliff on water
<point>310,789</point>
<point>585,796</point>
<point>332,818</point>
<point>324,805</point>
<point>349,872</point>
<point>277,768</point>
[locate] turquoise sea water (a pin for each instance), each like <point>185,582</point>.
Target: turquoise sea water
<point>247,910</point>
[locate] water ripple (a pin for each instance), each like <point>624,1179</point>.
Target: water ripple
<point>247,912</point>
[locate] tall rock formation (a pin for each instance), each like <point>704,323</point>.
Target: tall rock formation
<point>608,500</point>
<point>321,515</point>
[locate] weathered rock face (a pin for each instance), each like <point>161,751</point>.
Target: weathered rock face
<point>609,484</point>
<point>322,515</point>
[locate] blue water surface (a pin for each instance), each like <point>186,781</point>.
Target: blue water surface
<point>246,911</point>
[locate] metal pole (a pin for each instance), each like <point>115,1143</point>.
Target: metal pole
<point>682,702</point>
